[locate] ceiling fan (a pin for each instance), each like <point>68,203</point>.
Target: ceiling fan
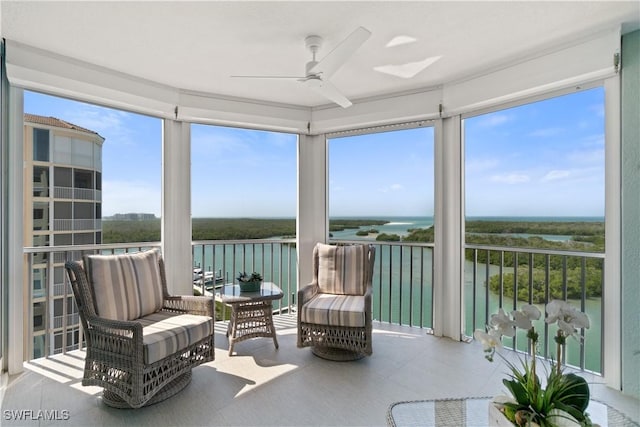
<point>318,72</point>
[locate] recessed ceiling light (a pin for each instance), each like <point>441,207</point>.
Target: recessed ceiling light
<point>408,70</point>
<point>400,40</point>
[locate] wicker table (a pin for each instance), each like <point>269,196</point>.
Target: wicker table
<point>251,312</point>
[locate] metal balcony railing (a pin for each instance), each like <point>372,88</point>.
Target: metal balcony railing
<point>77,193</point>
<point>76,224</point>
<point>220,261</point>
<point>402,281</point>
<point>44,289</point>
<point>542,275</point>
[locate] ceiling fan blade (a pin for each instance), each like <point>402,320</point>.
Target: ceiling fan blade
<point>341,53</point>
<point>329,91</point>
<point>269,77</point>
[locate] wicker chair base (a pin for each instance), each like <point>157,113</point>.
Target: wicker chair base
<point>111,399</point>
<point>350,339</point>
<point>336,354</point>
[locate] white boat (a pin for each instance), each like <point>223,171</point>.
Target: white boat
<point>206,277</point>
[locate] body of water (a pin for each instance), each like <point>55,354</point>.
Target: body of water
<point>399,292</point>
<point>396,225</point>
<point>402,225</point>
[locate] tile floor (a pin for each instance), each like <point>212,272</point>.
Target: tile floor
<point>262,386</point>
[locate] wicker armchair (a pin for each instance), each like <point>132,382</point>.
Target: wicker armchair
<point>334,310</point>
<point>141,342</point>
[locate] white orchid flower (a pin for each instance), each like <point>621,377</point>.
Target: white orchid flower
<point>567,316</point>
<point>489,340</point>
<point>521,320</point>
<point>531,311</point>
<point>503,324</point>
<point>554,310</point>
<point>580,320</point>
<point>566,327</point>
<point>523,317</point>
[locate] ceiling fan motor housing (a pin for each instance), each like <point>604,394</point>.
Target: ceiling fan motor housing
<point>313,43</point>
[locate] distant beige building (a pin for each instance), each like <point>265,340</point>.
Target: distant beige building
<point>63,167</point>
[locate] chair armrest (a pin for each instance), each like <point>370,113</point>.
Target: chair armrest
<point>202,306</point>
<point>367,301</point>
<point>306,293</point>
<point>368,292</point>
<point>120,337</point>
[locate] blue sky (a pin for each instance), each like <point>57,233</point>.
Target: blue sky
<point>242,173</point>
<point>386,173</point>
<point>540,159</point>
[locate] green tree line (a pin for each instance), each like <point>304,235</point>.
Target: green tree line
<point>122,231</point>
<point>587,237</point>
<point>593,284</point>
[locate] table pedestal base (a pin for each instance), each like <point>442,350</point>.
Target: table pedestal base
<point>336,354</point>
<point>250,320</point>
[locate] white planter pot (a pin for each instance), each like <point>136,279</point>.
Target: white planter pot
<point>497,418</point>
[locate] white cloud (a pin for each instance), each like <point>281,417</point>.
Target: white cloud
<point>110,124</point>
<point>481,165</point>
<point>555,175</point>
<point>511,178</point>
<point>547,132</point>
<point>392,188</point>
<point>495,119</point>
<point>598,109</point>
<point>588,156</point>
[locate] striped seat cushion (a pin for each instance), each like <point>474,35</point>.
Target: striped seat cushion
<point>125,286</point>
<point>341,269</point>
<point>334,310</point>
<point>164,333</point>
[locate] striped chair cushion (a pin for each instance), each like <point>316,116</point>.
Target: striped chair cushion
<point>164,333</point>
<point>126,286</point>
<point>334,310</point>
<point>341,269</point>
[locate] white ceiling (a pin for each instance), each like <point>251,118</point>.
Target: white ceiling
<point>199,45</point>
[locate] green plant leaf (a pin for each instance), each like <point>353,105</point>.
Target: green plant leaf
<point>518,391</point>
<point>574,392</point>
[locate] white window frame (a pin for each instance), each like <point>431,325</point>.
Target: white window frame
<point>612,342</point>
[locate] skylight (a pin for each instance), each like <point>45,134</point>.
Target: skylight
<point>400,40</point>
<point>407,70</point>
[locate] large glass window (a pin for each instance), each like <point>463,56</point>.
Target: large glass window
<point>83,178</point>
<point>126,167</point>
<point>83,210</point>
<point>63,210</point>
<point>534,191</point>
<point>243,186</point>
<point>41,145</point>
<point>240,173</point>
<point>40,216</point>
<point>381,190</point>
<point>386,176</point>
<point>113,168</point>
<point>40,181</point>
<point>62,177</point>
<point>62,239</point>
